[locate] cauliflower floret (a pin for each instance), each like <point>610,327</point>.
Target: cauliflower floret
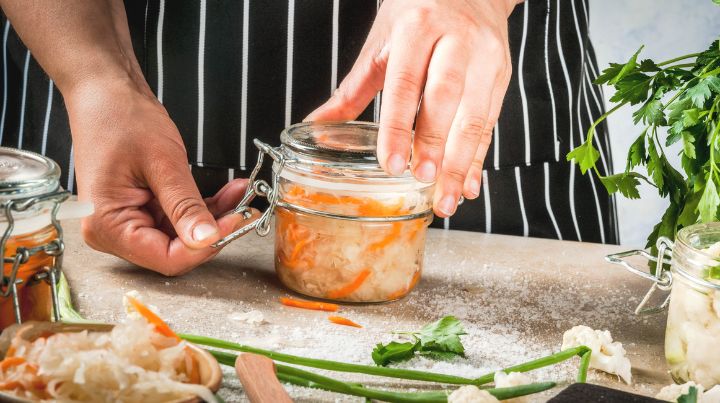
<point>471,394</point>
<point>607,356</point>
<point>712,395</point>
<point>671,393</point>
<point>253,317</point>
<point>503,380</point>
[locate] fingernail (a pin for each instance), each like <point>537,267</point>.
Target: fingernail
<point>447,205</point>
<point>426,171</point>
<point>474,186</point>
<point>396,164</point>
<point>203,231</point>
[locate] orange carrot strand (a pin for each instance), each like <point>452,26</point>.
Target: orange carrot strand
<point>339,320</point>
<point>160,325</point>
<point>11,362</point>
<point>317,306</point>
<point>348,289</point>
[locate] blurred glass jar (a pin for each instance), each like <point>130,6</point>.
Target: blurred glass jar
<point>31,242</point>
<point>344,229</point>
<point>690,269</point>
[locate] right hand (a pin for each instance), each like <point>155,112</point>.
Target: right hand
<point>132,164</point>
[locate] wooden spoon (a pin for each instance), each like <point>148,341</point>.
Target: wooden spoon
<point>257,375</point>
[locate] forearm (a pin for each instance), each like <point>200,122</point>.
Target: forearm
<point>78,42</point>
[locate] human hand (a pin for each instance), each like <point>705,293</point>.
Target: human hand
<point>446,64</point>
<point>131,163</point>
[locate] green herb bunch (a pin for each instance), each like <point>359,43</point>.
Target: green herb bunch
<point>679,103</point>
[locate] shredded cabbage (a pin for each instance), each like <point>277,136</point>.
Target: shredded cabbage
<point>350,260</point>
<point>131,363</point>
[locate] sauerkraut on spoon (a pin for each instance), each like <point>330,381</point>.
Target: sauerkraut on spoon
<point>138,360</point>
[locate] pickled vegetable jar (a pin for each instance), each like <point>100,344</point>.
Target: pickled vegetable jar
<point>344,229</point>
<point>693,326</point>
<point>690,269</point>
<point>31,242</point>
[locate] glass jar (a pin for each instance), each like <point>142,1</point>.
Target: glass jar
<point>693,278</point>
<point>344,229</point>
<point>31,242</point>
<point>693,325</point>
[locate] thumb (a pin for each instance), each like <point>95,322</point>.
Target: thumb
<point>357,89</point>
<point>174,187</point>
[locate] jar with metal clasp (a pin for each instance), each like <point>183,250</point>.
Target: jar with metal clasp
<point>344,229</point>
<point>32,238</point>
<point>690,269</point>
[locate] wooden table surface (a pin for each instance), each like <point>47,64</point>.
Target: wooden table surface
<point>516,297</point>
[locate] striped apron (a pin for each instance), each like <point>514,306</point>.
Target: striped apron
<point>229,71</point>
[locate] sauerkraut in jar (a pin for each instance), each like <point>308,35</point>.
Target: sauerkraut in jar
<point>693,326</point>
<point>30,237</point>
<point>344,229</point>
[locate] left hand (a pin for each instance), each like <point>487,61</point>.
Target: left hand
<point>446,63</point>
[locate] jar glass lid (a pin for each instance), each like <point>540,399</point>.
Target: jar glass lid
<point>26,174</point>
<point>346,142</point>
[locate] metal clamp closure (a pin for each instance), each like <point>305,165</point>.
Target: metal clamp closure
<point>9,284</point>
<point>662,279</point>
<point>258,187</point>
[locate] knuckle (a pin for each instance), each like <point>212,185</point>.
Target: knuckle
<point>430,138</point>
<point>406,85</point>
<point>487,134</point>
<point>477,165</point>
<point>455,174</point>
<point>419,16</point>
<point>450,87</point>
<point>184,207</point>
<point>472,127</point>
<point>396,128</point>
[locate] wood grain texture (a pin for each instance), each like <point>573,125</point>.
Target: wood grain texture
<point>257,375</point>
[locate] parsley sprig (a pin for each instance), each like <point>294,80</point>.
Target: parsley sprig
<point>679,102</point>
<point>438,340</point>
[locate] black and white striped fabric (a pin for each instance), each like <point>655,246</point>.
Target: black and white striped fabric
<point>229,71</point>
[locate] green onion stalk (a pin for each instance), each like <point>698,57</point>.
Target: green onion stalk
<point>300,377</point>
<point>409,374</point>
<point>296,376</point>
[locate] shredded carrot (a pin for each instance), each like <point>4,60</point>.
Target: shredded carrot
<point>317,306</point>
<point>348,289</point>
<point>11,362</point>
<point>9,385</point>
<point>160,325</point>
<point>388,239</point>
<point>339,320</point>
<point>10,352</point>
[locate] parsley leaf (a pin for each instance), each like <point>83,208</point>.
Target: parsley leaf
<point>393,352</point>
<point>443,335</point>
<point>650,113</point>
<point>688,215</point>
<point>699,93</point>
<point>627,68</point>
<point>438,340</point>
<point>637,154</point>
<point>633,88</point>
<point>609,73</point>
<point>584,155</point>
<point>688,147</point>
<point>625,183</point>
<point>709,202</point>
